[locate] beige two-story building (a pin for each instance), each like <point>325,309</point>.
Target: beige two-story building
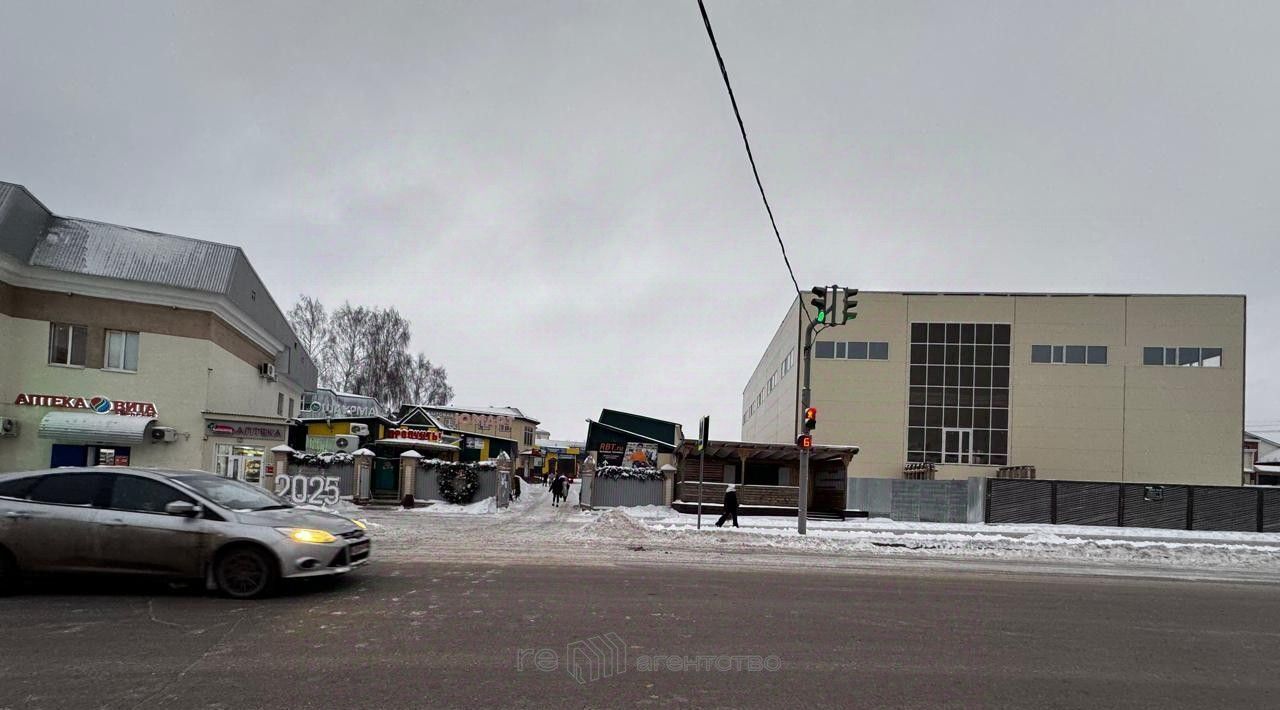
<point>1142,388</point>
<point>122,346</point>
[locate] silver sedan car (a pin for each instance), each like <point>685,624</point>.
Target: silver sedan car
<point>237,538</point>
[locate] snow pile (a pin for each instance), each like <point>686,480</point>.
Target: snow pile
<point>479,507</point>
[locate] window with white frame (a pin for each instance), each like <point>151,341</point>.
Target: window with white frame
<point>67,344</point>
<point>1182,356</point>
<point>1069,354</point>
<point>120,351</point>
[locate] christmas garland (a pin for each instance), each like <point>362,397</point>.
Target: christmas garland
<point>642,474</point>
<point>458,482</point>
<point>323,460</point>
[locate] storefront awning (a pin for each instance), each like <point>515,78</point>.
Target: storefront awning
<point>77,428</point>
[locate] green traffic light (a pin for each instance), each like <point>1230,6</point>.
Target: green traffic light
<point>822,316</point>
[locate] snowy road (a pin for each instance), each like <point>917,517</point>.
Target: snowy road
<point>532,531</point>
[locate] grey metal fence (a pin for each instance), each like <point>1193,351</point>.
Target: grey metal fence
<point>913,500</point>
<point>1173,507</point>
<point>628,492</point>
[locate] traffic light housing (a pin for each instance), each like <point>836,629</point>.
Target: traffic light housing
<point>804,441</point>
<point>846,305</point>
<point>825,301</point>
<point>810,419</point>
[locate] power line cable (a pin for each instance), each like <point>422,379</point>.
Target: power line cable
<point>724,73</point>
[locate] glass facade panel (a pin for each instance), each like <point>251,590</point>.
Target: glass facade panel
<point>959,393</point>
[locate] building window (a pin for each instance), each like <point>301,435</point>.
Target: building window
<point>1069,354</point>
<point>859,350</point>
<point>291,407</point>
<point>121,351</point>
<point>280,404</point>
<point>1182,356</point>
<point>958,399</point>
<point>528,437</point>
<point>67,344</point>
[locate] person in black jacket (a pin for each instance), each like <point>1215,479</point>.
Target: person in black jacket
<point>730,507</point>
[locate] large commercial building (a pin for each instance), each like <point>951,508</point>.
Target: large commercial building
<point>124,346</point>
<point>1140,388</point>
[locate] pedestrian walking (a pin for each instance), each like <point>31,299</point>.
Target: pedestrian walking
<point>730,507</point>
<point>558,491</point>
<point>515,488</point>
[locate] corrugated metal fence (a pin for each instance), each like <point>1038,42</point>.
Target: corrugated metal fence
<point>426,487</point>
<point>1174,507</point>
<point>613,492</point>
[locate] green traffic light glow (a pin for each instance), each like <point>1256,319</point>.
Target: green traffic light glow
<point>822,316</point>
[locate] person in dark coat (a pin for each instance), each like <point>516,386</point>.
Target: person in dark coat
<point>515,488</point>
<point>730,507</point>
<point>558,491</point>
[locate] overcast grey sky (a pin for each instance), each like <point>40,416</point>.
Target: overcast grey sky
<point>557,196</point>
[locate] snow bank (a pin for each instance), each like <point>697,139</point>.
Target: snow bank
<point>1032,543</point>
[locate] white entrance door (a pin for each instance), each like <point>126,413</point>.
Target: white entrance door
<point>956,445</point>
<point>235,467</point>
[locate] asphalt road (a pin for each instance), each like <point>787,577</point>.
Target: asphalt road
<point>418,634</point>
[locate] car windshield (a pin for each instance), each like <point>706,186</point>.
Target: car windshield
<point>232,494</point>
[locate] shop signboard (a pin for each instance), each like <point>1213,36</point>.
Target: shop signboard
<point>97,403</point>
<point>469,421</point>
<point>611,453</point>
<point>415,434</point>
<point>640,455</point>
<point>245,430</point>
<point>322,444</point>
<point>327,404</point>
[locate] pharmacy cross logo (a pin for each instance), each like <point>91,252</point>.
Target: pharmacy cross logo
<point>605,656</point>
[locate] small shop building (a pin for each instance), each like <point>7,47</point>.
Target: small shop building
<point>632,440</point>
<point>123,346</point>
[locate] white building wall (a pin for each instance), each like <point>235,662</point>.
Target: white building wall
<point>183,377</point>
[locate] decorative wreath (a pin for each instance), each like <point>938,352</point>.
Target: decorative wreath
<point>458,482</point>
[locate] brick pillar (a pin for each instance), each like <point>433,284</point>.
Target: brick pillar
<point>408,472</point>
<point>588,477</point>
<point>277,464</point>
<point>668,484</point>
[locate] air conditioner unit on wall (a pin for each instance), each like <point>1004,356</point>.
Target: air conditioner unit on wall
<point>346,442</point>
<point>8,427</point>
<point>267,370</point>
<point>164,433</point>
<point>358,429</point>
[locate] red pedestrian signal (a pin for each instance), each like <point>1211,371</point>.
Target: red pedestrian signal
<point>810,418</point>
<point>804,441</point>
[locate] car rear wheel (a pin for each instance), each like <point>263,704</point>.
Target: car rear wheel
<point>245,573</point>
<point>9,575</point>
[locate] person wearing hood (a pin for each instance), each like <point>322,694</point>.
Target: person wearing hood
<point>730,506</point>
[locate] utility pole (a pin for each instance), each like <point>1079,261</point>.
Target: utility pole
<point>704,430</point>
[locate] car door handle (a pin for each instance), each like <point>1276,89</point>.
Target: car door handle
<point>115,523</point>
<point>18,514</point>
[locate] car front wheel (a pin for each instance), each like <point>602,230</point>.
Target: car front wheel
<point>245,573</point>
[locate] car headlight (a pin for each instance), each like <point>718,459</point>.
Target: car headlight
<point>307,535</point>
<point>359,523</point>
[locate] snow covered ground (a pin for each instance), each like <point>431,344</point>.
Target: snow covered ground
<point>531,530</point>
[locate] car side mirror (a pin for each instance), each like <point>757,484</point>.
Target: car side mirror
<point>183,508</point>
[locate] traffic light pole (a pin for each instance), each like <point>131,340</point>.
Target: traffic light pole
<point>802,501</point>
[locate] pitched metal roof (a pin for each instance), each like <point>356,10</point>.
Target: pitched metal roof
<point>112,251</point>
